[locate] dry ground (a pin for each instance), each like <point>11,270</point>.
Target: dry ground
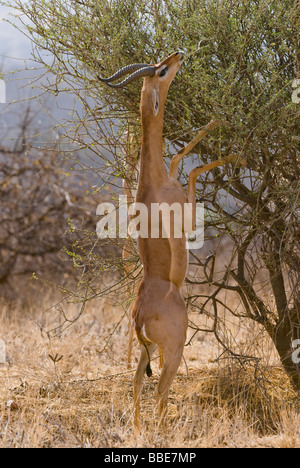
<point>75,390</point>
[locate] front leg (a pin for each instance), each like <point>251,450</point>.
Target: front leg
<point>191,191</point>
<point>188,148</point>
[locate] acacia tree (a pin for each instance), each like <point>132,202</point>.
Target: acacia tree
<point>242,59</point>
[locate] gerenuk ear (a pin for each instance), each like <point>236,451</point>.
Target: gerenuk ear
<point>155,101</point>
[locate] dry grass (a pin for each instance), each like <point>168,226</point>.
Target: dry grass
<point>84,399</point>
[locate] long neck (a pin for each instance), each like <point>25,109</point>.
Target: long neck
<point>152,168</point>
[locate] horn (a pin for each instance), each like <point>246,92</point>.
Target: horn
<point>145,71</point>
<point>124,71</point>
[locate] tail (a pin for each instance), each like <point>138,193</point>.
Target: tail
<point>148,368</point>
<point>141,340</point>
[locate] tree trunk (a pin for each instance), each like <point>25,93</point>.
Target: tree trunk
<point>283,336</point>
<point>288,323</point>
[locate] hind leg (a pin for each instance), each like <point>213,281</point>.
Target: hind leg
<point>172,359</point>
<point>130,342</point>
<point>138,381</point>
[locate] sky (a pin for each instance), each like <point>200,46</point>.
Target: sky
<point>15,54</point>
<point>13,44</point>
<point>15,48</point>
